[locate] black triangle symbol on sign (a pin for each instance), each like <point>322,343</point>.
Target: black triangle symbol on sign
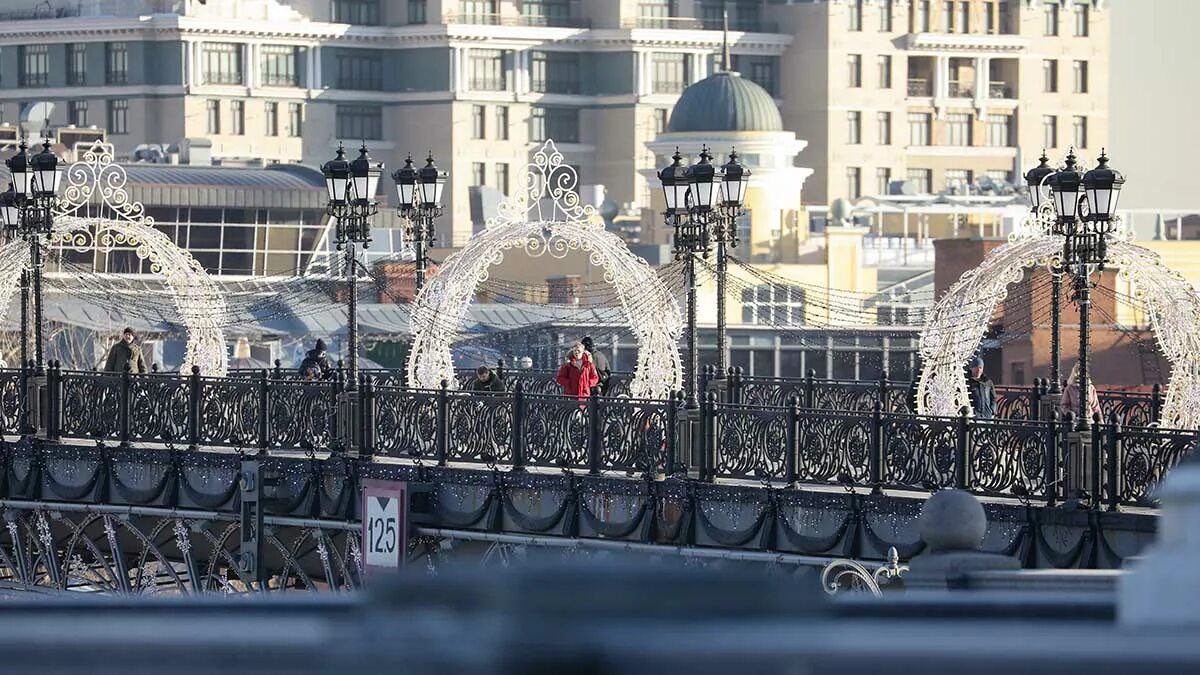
<point>383,501</point>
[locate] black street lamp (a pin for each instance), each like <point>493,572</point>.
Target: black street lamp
<point>1038,180</point>
<point>681,188</point>
<point>420,201</point>
<point>735,178</point>
<point>351,186</point>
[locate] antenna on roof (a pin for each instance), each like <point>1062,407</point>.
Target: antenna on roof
<point>725,36</point>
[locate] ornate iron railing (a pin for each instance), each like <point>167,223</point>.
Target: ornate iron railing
<point>859,435</point>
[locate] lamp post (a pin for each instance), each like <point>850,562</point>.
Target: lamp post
<point>735,178</point>
<point>420,201</point>
<point>1038,180</point>
<point>352,187</point>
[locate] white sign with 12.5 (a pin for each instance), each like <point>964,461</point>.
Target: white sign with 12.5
<point>383,535</point>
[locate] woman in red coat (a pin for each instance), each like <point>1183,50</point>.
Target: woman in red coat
<point>578,374</point>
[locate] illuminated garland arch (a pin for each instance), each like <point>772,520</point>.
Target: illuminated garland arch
<point>124,223</point>
<point>959,320</point>
<point>545,217</point>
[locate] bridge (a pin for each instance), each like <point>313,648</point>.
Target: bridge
<point>135,483</point>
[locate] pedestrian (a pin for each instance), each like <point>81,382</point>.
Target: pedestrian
<point>486,380</point>
<point>601,362</point>
<point>317,358</point>
<point>125,352</point>
<point>1070,396</point>
<point>578,375</point>
<point>981,389</point>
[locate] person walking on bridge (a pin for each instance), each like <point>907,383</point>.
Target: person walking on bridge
<point>125,352</point>
<point>578,375</point>
<point>983,392</point>
<point>1070,396</point>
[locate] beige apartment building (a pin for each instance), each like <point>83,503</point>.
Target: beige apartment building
<point>941,94</point>
<point>934,93</point>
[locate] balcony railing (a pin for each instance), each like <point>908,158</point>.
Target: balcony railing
<point>1000,90</point>
<point>670,22</point>
<point>919,87</point>
<point>741,25</point>
<point>533,20</point>
<point>961,89</point>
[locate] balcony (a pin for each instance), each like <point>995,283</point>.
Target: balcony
<point>1001,90</point>
<point>531,20</point>
<point>920,87</point>
<point>663,22</point>
<point>741,25</point>
<point>961,89</point>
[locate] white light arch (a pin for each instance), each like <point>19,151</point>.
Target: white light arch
<point>124,223</point>
<point>545,217</point>
<point>957,324</point>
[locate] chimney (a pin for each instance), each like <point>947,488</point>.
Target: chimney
<point>196,151</point>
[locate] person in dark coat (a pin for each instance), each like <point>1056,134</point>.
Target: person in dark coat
<point>486,380</point>
<point>601,363</point>
<point>126,351</point>
<point>983,392</point>
<point>317,359</point>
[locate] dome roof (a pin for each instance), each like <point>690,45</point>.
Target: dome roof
<point>725,101</point>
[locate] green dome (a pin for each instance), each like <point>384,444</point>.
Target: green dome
<point>725,101</point>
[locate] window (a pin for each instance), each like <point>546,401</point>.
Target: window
<point>958,180</point>
<point>854,127</point>
<point>948,16</point>
<point>883,181</point>
<point>855,15</point>
<point>1051,27</point>
<point>655,13</point>
<point>1049,131</point>
<point>1080,125</point>
<point>417,12</point>
<point>363,72</point>
<point>670,72</point>
<point>295,119</point>
<point>279,66</point>
<point>222,63</point>
<point>773,304</point>
<point>1081,19</point>
<point>478,169</point>
<point>35,65</point>
<point>118,116</point>
<point>502,122</point>
<point>661,118</point>
<point>77,113</point>
<point>883,124</point>
<point>360,122</point>
<point>761,70</point>
<point>958,129</point>
<point>999,131</point>
<point>885,16</point>
<point>920,16</point>
<point>547,12</point>
<point>478,129</point>
<point>964,17</point>
<point>921,180</point>
<point>853,182</point>
<point>885,71</point>
<point>554,72</point>
<point>361,12</point>
<point>213,107</point>
<point>502,178</point>
<point>271,112</point>
<point>237,116</point>
<point>487,69</point>
<point>76,63</point>
<point>561,124</point>
<point>919,128</point>
<point>1050,75</point>
<point>116,63</point>
<point>478,11</point>
<point>989,18</point>
<point>1081,77</point>
<point>854,70</point>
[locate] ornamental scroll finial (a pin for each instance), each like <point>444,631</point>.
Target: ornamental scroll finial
<point>546,191</point>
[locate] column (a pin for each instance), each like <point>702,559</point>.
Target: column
<point>699,68</point>
<point>318,82</point>
<point>310,74</point>
<point>250,65</point>
<point>197,70</point>
<point>983,77</point>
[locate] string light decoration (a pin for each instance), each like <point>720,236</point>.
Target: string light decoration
<point>959,320</point>
<point>123,223</point>
<point>546,217</point>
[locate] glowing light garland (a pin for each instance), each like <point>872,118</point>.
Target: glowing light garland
<point>545,217</point>
<point>959,320</point>
<point>197,298</point>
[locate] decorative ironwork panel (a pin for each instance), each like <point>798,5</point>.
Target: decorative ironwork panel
<point>1146,456</point>
<point>302,415</point>
<point>834,447</point>
<point>11,399</point>
<point>229,412</point>
<point>1014,403</point>
<point>158,408</point>
<point>634,434</point>
<point>1133,409</point>
<point>918,452</point>
<point>1008,457</point>
<point>91,405</point>
<point>751,442</point>
<point>555,429</point>
<point>405,422</point>
<point>480,427</point>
